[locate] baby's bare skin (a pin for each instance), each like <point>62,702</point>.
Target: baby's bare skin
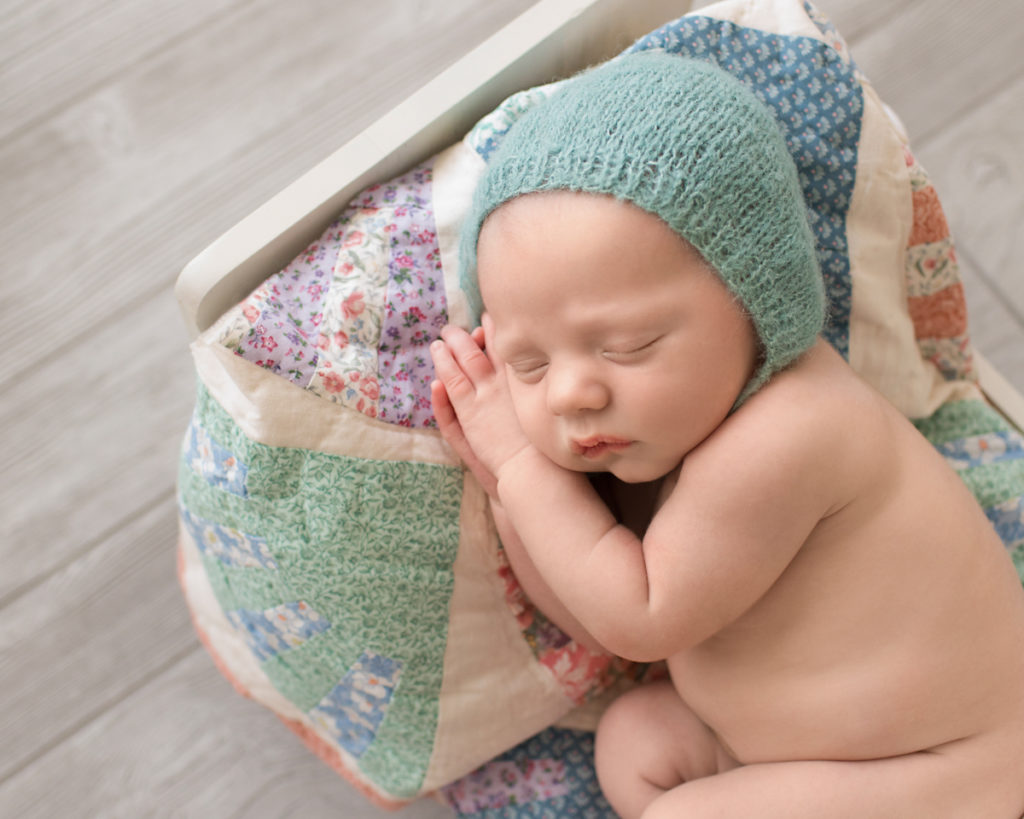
<point>843,628</point>
<point>896,628</point>
<point>884,640</point>
<point>898,625</point>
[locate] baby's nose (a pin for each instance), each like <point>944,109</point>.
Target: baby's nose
<point>572,389</point>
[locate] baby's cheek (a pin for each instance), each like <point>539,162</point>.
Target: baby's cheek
<point>537,424</point>
<point>532,423</point>
<point>522,402</point>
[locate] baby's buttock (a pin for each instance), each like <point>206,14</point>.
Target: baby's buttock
<point>843,676</point>
<point>846,714</point>
<point>977,774</point>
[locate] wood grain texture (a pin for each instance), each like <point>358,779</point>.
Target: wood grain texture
<point>136,131</point>
<point>952,72</point>
<point>91,438</point>
<point>186,744</point>
<point>932,62</point>
<point>121,186</point>
<point>90,635</point>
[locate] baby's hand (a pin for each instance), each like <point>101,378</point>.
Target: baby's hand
<point>472,405</point>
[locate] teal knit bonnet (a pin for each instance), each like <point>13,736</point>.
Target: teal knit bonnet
<point>687,142</point>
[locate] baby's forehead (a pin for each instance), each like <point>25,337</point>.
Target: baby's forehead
<point>523,211</point>
<point>622,229</point>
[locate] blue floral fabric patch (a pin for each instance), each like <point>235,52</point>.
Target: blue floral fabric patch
<point>279,629</point>
<point>988,455</point>
<point>979,450</point>
<point>219,466</point>
<point>355,708</point>
<point>549,776</point>
<point>229,546</point>
<point>1008,518</point>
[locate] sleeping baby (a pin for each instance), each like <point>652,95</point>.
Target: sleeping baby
<point>843,629</point>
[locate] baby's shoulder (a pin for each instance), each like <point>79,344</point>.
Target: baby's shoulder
<point>820,396</point>
<point>787,454</point>
<point>817,427</point>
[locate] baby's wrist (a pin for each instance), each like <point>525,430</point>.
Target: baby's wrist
<point>523,462</point>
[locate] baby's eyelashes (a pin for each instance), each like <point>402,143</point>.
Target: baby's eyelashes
<point>630,351</point>
<point>530,368</point>
<point>528,371</point>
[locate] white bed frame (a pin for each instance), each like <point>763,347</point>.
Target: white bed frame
<point>552,39</point>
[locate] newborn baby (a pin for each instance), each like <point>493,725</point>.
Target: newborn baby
<point>844,631</point>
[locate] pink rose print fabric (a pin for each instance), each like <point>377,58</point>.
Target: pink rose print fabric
<point>277,326</point>
<point>351,318</point>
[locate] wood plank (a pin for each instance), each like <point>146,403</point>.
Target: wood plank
<point>995,331</point>
<point>55,51</point>
<point>90,437</point>
<point>931,61</point>
<point>855,19</point>
<point>92,633</point>
<point>130,181</point>
<point>962,109</point>
<point>187,745</point>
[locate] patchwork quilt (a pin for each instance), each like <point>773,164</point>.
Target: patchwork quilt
<point>342,567</point>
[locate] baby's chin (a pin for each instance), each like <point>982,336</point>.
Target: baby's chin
<point>627,471</point>
<point>636,475</point>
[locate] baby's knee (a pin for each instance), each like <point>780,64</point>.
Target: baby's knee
<point>637,712</point>
<point>648,742</point>
<point>628,753</point>
<point>614,732</point>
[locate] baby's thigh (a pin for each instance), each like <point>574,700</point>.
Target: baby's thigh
<point>952,782</point>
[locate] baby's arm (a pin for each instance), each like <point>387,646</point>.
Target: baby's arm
<point>743,505</point>
<point>531,581</point>
<point>476,417</point>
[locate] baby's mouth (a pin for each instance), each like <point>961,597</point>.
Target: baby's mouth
<point>598,445</point>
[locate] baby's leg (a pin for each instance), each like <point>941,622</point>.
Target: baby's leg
<point>656,759</point>
<point>962,780</point>
<point>649,742</point>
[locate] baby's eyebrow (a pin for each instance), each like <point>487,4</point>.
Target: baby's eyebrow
<point>514,353</point>
<point>509,348</point>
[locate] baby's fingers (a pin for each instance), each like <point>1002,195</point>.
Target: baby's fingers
<point>451,431</point>
<point>453,381</point>
<point>444,412</point>
<point>468,352</point>
<point>465,354</point>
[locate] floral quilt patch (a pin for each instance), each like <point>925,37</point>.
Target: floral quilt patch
<point>351,318</point>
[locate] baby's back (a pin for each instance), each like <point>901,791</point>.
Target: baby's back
<point>898,626</point>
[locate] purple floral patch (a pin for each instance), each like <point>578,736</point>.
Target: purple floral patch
<point>415,308</point>
<point>352,317</point>
<point>278,327</point>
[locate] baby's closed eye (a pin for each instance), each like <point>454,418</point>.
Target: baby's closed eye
<point>527,370</point>
<point>631,349</point>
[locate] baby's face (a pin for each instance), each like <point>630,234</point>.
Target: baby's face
<point>623,350</point>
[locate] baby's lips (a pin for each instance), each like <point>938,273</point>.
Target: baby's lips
<point>598,444</point>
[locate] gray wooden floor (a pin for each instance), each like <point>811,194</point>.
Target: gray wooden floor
<point>133,132</point>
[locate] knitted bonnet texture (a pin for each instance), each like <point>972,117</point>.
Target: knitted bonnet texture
<point>690,144</point>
